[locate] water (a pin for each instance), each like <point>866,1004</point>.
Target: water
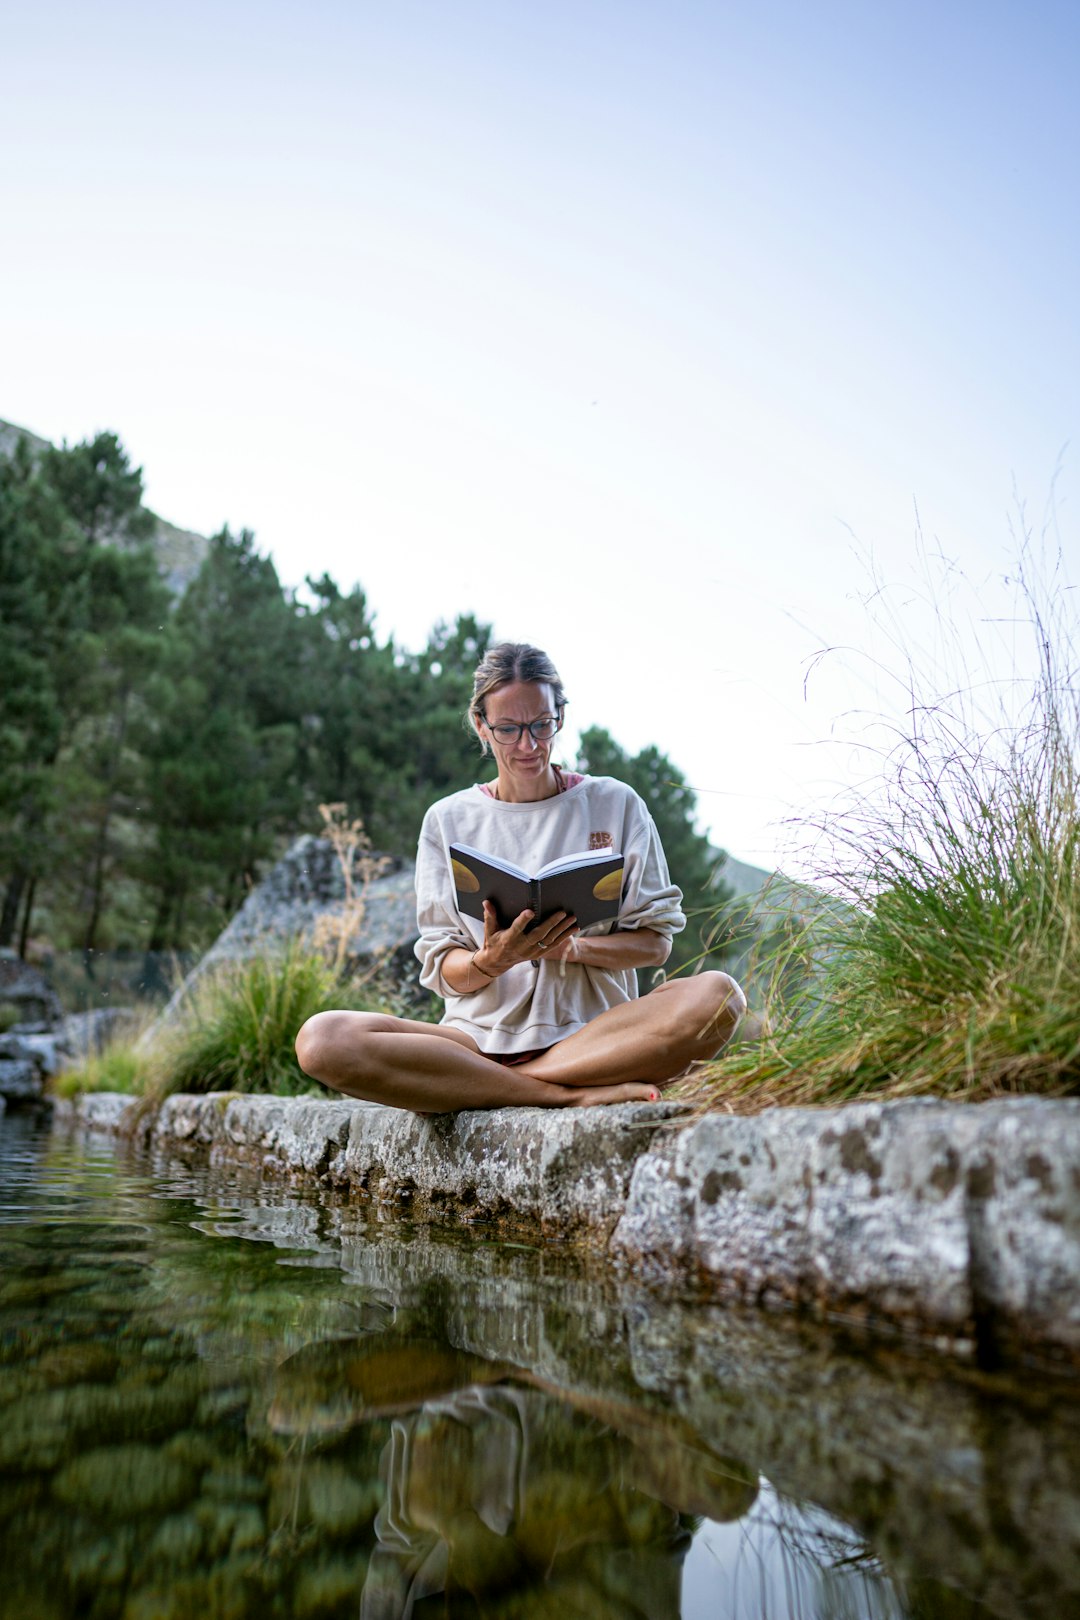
<point>220,1398</point>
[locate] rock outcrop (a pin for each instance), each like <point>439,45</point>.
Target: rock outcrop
<point>30,1049</point>
<point>34,1005</point>
<point>304,889</point>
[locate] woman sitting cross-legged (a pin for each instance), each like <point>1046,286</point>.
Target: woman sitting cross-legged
<point>538,1013</point>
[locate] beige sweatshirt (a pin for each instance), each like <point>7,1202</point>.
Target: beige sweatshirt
<point>538,1003</point>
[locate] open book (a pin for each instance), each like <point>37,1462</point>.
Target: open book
<point>589,884</point>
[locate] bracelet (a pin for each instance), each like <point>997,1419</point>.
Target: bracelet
<point>490,977</point>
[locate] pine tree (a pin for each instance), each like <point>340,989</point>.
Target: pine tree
<point>691,858</point>
<point>31,719</point>
<point>223,781</point>
<point>100,489</point>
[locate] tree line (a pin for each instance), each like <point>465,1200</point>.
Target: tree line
<point>157,753</point>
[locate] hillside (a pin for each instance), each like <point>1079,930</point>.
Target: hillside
<point>744,880</point>
<point>179,551</point>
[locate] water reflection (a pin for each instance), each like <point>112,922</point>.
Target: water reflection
<point>497,1487</point>
<point>222,1398</point>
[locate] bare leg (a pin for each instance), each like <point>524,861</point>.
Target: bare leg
<point>433,1070</point>
<point>654,1038</point>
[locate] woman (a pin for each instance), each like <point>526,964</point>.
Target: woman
<point>542,1016</point>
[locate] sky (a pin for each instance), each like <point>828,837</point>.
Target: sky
<point>654,335</point>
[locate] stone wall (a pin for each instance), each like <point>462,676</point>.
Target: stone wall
<point>954,1224</point>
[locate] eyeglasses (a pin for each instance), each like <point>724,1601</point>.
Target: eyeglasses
<point>508,732</point>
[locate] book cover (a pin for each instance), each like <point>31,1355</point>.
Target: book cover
<point>589,884</point>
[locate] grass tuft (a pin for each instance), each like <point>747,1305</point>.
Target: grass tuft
<point>119,1067</point>
<point>946,960</point>
<point>237,1029</point>
<point>235,1032</point>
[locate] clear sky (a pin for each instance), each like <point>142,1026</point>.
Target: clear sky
<point>630,328</point>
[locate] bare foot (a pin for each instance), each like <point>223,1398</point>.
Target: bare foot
<point>631,1091</point>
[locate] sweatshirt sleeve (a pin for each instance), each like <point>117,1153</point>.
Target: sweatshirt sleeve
<point>650,899</point>
<point>442,928</point>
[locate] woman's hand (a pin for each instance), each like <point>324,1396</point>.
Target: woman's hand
<point>505,947</point>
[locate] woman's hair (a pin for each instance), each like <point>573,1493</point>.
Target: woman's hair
<point>512,661</point>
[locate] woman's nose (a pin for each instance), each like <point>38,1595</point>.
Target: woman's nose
<point>527,743</point>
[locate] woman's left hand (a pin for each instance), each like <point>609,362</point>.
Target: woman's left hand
<point>525,940</point>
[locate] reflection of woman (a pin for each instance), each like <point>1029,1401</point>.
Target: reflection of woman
<point>537,1013</point>
<point>506,1493</point>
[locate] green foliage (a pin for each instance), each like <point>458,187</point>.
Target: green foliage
<point>950,962</point>
<point>160,754</point>
<point>123,1066</point>
<point>100,489</point>
<point>691,858</point>
<point>31,711</point>
<point>238,1027</point>
<point>382,728</point>
<point>81,622</point>
<point>221,780</point>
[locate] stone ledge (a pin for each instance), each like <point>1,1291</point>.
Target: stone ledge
<point>958,1223</point>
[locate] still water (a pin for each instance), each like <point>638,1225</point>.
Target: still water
<point>221,1398</point>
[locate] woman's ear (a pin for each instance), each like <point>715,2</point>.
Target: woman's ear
<point>481,739</point>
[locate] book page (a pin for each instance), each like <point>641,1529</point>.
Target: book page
<point>584,857</point>
<point>492,860</point>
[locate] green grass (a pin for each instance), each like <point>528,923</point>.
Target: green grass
<point>120,1067</point>
<point>947,961</point>
<point>235,1032</point>
<point>238,1027</point>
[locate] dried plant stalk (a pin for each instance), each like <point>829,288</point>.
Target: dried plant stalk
<point>334,930</point>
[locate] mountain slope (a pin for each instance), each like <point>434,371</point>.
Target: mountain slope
<point>180,551</point>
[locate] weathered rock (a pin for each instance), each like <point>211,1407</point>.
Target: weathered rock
<point>178,1541</point>
<point>20,1079</point>
<point>47,1051</point>
<point>297,1135</point>
<point>25,988</point>
<point>335,1500</point>
<point>888,1224</point>
<point>934,1217</point>
<point>87,1033</point>
<point>1021,1178</point>
<point>307,886</point>
<point>564,1172</point>
<point>120,1482</point>
<point>860,1208</point>
<point>194,1121</point>
<point>960,1223</point>
<point>108,1111</point>
<point>719,1197</point>
<point>330,1587</point>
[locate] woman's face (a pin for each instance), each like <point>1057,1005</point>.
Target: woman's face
<point>523,762</point>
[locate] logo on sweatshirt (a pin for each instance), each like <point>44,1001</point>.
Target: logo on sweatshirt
<point>601,840</point>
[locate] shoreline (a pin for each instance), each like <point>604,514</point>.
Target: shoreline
<point>956,1226</point>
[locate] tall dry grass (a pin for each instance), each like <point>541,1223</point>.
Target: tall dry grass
<point>943,955</point>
